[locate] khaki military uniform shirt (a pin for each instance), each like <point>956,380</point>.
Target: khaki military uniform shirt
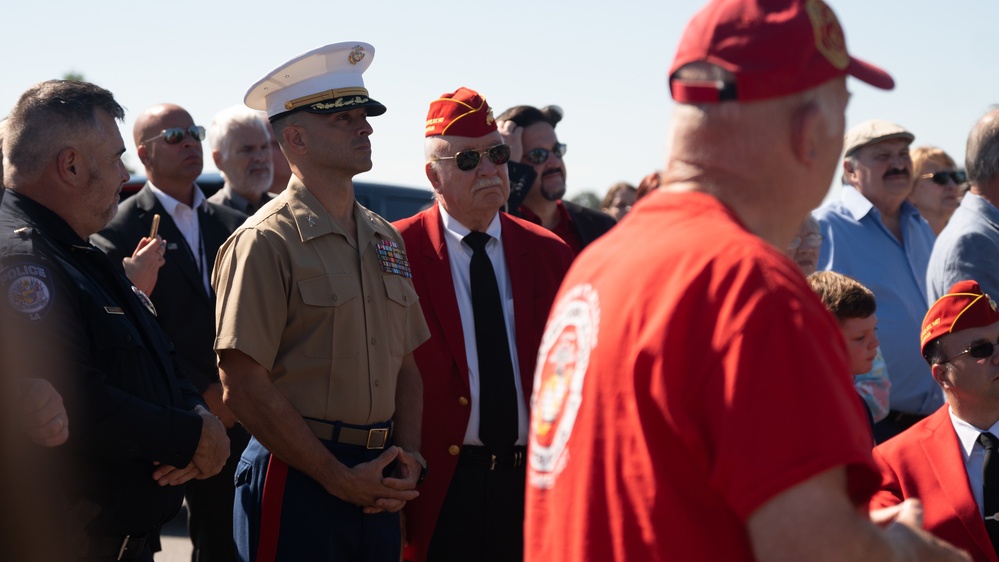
<point>329,318</point>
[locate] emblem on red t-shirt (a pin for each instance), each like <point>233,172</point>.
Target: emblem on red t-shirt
<point>564,355</point>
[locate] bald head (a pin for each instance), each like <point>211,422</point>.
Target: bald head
<point>171,167</point>
<point>982,153</point>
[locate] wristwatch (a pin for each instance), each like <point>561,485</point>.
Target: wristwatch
<point>423,467</point>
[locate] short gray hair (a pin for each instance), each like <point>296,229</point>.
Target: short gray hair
<point>982,152</point>
<point>232,117</point>
<point>48,115</point>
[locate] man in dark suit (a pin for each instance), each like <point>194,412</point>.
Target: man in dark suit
<point>169,146</point>
<point>531,134</point>
<point>472,504</point>
<point>944,460</point>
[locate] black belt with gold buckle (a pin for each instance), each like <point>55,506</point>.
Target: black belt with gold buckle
<point>371,437</point>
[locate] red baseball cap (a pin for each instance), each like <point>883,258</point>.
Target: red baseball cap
<point>964,306</point>
<point>774,48</point>
<point>463,113</point>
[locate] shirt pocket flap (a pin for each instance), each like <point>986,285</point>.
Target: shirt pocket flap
<point>398,289</point>
<point>329,290</point>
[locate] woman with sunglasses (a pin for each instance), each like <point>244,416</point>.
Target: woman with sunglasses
<point>936,188</point>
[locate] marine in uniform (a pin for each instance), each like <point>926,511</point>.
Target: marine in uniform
<point>317,320</point>
<point>139,428</point>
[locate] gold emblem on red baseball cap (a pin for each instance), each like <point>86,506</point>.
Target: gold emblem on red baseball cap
<point>829,38</point>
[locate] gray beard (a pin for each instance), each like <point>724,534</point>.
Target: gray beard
<point>552,196</point>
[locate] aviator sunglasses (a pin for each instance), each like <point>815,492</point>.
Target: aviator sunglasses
<point>469,159</point>
<point>980,350</point>
<point>540,155</point>
<point>176,134</point>
<point>940,178</point>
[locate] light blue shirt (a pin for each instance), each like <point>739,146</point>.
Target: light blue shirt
<point>968,248</point>
<point>858,244</point>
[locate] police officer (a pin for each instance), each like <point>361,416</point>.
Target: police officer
<point>140,430</point>
<point>317,321</point>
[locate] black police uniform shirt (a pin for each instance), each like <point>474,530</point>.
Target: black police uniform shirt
<point>78,322</point>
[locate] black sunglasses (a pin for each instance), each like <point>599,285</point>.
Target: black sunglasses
<point>940,178</point>
<point>980,350</point>
<point>176,134</point>
<point>539,155</point>
<point>469,159</point>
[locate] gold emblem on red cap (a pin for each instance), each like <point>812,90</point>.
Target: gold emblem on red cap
<point>828,34</point>
<point>356,55</point>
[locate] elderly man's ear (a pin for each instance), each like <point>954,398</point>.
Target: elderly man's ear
<point>433,176</point>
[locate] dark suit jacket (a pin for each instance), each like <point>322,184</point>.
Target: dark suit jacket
<point>590,224</point>
<point>926,462</point>
<point>184,310</point>
<point>536,260</point>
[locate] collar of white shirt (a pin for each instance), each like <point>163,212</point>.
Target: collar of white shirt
<point>967,434</point>
<point>171,204</point>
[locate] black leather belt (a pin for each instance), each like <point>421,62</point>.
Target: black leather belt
<point>128,547</point>
<point>369,437</point>
<point>481,457</point>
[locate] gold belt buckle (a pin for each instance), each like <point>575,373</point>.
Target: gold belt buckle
<point>377,438</point>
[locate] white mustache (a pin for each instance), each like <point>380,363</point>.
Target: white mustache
<point>486,182</point>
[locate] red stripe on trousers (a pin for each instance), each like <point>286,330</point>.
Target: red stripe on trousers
<point>270,509</point>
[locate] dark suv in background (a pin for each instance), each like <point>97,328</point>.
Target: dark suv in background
<point>392,202</point>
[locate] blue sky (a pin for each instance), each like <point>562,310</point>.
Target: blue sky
<point>604,62</point>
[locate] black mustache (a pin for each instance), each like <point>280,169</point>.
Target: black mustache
<point>896,172</point>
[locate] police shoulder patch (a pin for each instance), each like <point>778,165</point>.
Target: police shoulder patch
<point>28,289</point>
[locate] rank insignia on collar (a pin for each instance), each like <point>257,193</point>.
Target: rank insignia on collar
<point>393,259</point>
<point>28,288</point>
<point>312,220</point>
<point>144,300</point>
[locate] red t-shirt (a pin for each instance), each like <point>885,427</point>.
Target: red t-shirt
<point>687,375</point>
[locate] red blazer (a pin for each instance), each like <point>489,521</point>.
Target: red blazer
<point>537,261</point>
<point>926,462</point>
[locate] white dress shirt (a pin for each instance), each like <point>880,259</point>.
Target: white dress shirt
<point>460,256</point>
<point>974,454</point>
<point>186,220</point>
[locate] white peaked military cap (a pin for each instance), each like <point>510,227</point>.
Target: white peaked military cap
<point>323,80</point>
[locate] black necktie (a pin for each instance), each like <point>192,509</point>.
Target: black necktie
<point>497,393</point>
<point>990,486</point>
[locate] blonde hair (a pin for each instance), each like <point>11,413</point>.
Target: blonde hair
<point>922,156</point>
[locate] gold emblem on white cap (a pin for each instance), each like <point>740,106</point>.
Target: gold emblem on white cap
<point>356,55</point>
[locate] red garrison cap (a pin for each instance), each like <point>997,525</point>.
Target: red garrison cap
<point>774,48</point>
<point>964,306</point>
<point>463,113</point>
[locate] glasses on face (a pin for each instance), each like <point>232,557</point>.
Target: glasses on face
<point>980,350</point>
<point>811,240</point>
<point>540,155</point>
<point>469,159</point>
<point>176,134</point>
<point>940,178</point>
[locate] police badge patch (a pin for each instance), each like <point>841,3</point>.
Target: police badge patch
<point>28,288</point>
<point>393,259</point>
